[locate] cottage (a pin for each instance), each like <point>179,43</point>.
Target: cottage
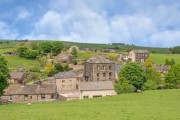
<point>96,89</point>
<point>64,57</point>
<point>66,81</point>
<point>29,93</point>
<point>99,68</point>
<point>138,55</point>
<point>16,77</point>
<point>68,95</point>
<point>162,69</point>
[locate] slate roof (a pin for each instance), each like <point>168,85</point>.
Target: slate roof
<point>65,75</point>
<point>16,75</point>
<point>30,89</point>
<point>140,51</point>
<point>64,55</point>
<point>163,67</point>
<point>99,59</point>
<point>98,85</point>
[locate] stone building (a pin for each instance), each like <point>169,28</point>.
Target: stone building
<point>138,55</point>
<point>16,77</point>
<point>96,89</point>
<point>99,68</point>
<point>29,93</point>
<point>66,81</point>
<point>162,69</point>
<point>64,57</point>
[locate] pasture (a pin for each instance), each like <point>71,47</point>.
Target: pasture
<point>149,105</point>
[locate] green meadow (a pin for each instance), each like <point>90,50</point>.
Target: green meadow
<point>149,105</point>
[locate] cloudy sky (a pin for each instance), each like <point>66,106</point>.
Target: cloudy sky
<point>139,22</point>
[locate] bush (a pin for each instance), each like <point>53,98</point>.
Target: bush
<point>124,87</point>
<point>150,85</point>
<point>32,54</point>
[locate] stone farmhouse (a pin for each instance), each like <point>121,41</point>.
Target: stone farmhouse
<point>96,89</point>
<point>64,57</point>
<point>162,69</point>
<point>138,55</point>
<point>99,68</point>
<point>16,77</point>
<point>29,93</point>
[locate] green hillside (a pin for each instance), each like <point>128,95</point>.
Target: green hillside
<point>149,105</point>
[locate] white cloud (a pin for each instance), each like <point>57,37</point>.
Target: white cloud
<point>7,32</point>
<point>78,21</point>
<point>23,14</point>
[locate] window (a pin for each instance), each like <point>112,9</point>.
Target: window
<point>110,74</point>
<point>104,67</point>
<point>52,96</point>
<point>10,98</point>
<point>63,81</point>
<point>104,74</point>
<point>109,66</point>
<point>85,97</point>
<point>98,67</point>
<point>96,96</point>
<point>25,97</point>
<point>43,96</point>
<point>97,78</point>
<point>97,74</point>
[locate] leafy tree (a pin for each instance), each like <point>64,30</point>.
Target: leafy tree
<point>176,50</point>
<point>134,73</point>
<point>172,78</point>
<point>32,54</point>
<point>148,63</point>
<point>22,50</point>
<point>58,68</point>
<point>123,86</point>
<point>150,85</point>
<point>57,47</point>
<point>66,67</point>
<point>49,69</point>
<point>4,74</point>
<point>46,47</point>
<point>153,75</point>
<point>34,46</point>
<point>167,62</point>
<point>74,51</point>
<point>172,62</point>
<point>54,47</point>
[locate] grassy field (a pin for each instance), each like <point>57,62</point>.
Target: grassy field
<point>150,105</point>
<point>87,55</point>
<point>160,58</point>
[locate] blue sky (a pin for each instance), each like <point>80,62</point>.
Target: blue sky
<point>139,22</point>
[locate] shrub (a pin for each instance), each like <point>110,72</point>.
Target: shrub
<point>150,85</point>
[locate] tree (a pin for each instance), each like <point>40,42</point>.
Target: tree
<point>134,74</point>
<point>172,78</point>
<point>123,86</point>
<point>167,62</point>
<point>58,68</point>
<point>32,54</point>
<point>176,50</point>
<point>4,74</point>
<point>46,47</point>
<point>34,46</point>
<point>153,75</point>
<point>148,63</point>
<point>74,51</point>
<point>172,62</point>
<point>22,50</point>
<point>57,47</point>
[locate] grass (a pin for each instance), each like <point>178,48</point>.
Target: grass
<point>86,55</point>
<point>160,58</point>
<point>14,62</point>
<point>150,105</point>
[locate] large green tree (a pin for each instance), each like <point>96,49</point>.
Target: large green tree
<point>57,47</point>
<point>134,74</point>
<point>4,74</point>
<point>172,78</point>
<point>22,50</point>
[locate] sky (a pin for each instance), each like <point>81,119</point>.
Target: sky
<point>154,23</point>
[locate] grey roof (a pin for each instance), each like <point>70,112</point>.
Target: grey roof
<point>99,59</point>
<point>64,75</point>
<point>98,85</point>
<point>64,55</point>
<point>30,89</point>
<point>164,67</point>
<point>140,51</point>
<point>16,75</point>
